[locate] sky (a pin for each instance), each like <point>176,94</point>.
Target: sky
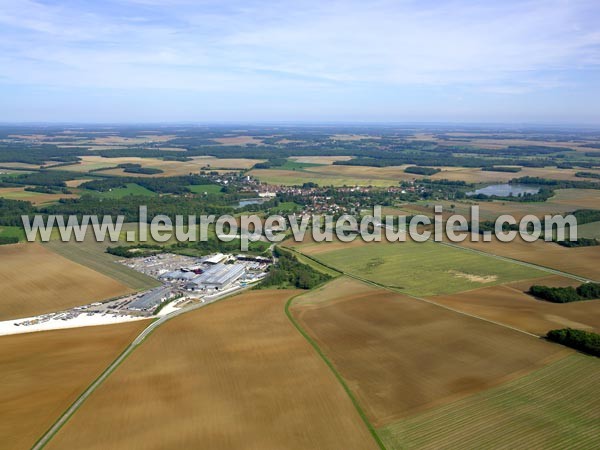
<point>300,61</point>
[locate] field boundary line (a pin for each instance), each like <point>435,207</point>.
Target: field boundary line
<point>329,364</point>
<point>522,263</point>
<point>431,302</point>
<point>139,340</point>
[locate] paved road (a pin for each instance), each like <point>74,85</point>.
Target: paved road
<point>107,372</point>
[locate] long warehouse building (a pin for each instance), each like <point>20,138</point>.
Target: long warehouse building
<point>217,277</point>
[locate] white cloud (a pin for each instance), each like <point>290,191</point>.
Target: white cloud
<point>502,47</point>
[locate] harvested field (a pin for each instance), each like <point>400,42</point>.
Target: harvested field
<point>400,355</point>
<point>37,198</point>
<point>336,175</point>
<point>19,165</point>
<point>339,175</point>
<point>324,160</point>
<point>93,255</point>
<point>476,175</point>
<point>77,183</point>
<point>476,140</point>
<point>565,200</point>
<point>169,168</point>
<point>509,304</point>
<point>43,373</point>
<point>554,407</point>
<point>582,261</point>
<point>238,140</point>
<point>418,268</point>
<point>236,374</point>
<point>35,281</point>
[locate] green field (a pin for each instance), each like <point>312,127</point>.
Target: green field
<point>314,264</point>
<point>130,189</point>
<point>12,232</point>
<point>294,165</point>
<point>285,207</point>
<point>589,230</point>
<point>426,268</point>
<point>208,188</point>
<point>554,407</point>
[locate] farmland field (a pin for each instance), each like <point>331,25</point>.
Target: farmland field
<point>35,281</point>
<point>129,189</point>
<point>476,175</point>
<point>418,268</point>
<point>12,232</point>
<point>169,168</point>
<point>323,160</point>
<point>325,175</point>
<point>37,198</point>
<point>236,374</point>
<point>582,261</point>
<point>509,304</point>
<point>400,355</point>
<point>43,373</point>
<point>553,407</point>
<point>93,254</point>
<point>208,188</point>
<point>589,230</point>
<point>565,200</point>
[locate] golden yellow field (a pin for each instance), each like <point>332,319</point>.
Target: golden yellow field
<point>336,175</point>
<point>326,160</point>
<point>476,175</point>
<point>37,198</point>
<point>235,374</point>
<point>400,355</point>
<point>43,373</point>
<point>35,280</point>
<point>169,168</point>
<point>339,175</point>
<point>238,140</point>
<point>77,183</point>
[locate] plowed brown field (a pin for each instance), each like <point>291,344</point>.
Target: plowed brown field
<point>37,281</point>
<point>234,375</point>
<point>400,355</point>
<point>43,373</point>
<point>509,304</point>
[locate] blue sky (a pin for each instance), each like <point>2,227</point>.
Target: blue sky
<point>232,61</point>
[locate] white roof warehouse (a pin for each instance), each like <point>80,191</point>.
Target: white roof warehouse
<point>217,277</point>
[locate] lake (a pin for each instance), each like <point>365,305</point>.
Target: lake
<point>251,201</point>
<point>504,190</point>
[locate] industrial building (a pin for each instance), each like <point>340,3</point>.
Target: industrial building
<point>217,277</point>
<point>252,258</point>
<point>216,259</point>
<point>178,275</point>
<point>151,299</point>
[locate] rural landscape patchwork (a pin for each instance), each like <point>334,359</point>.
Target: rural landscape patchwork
<point>298,344</point>
<point>317,225</point>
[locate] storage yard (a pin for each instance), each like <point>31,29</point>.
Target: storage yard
<point>185,280</point>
